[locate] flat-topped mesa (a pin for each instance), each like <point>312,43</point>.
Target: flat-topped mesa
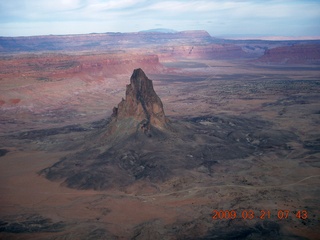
<point>141,103</point>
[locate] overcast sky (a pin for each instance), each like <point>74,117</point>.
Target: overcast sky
<point>218,17</point>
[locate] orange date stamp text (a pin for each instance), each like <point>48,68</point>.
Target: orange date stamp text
<point>258,214</point>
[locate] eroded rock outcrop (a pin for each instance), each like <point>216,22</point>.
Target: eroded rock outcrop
<point>141,104</point>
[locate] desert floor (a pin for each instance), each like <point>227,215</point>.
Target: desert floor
<point>288,97</point>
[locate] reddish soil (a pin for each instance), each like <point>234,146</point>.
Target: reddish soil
<point>46,90</point>
<point>15,100</point>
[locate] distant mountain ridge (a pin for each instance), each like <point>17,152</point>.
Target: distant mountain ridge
<point>167,45</point>
<point>112,41</point>
<point>161,30</point>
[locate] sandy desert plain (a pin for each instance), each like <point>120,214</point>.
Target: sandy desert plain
<point>246,134</point>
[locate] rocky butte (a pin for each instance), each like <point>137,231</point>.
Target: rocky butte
<point>141,107</point>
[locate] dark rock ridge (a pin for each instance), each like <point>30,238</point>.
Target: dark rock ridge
<point>3,152</point>
<point>199,145</point>
<point>141,103</point>
<point>26,223</point>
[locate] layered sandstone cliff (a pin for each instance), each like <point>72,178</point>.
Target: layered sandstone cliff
<point>295,54</point>
<point>51,66</point>
<point>208,51</point>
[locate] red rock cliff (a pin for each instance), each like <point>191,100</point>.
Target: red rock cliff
<point>296,54</point>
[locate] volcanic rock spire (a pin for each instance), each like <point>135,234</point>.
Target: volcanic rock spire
<point>141,104</point>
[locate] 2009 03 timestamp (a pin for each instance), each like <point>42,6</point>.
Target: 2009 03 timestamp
<point>262,214</point>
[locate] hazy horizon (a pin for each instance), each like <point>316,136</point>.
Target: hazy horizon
<point>225,36</point>
<point>246,18</point>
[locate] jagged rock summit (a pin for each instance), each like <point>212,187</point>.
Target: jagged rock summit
<point>141,104</point>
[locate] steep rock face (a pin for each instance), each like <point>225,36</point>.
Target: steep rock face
<point>209,51</point>
<point>295,54</point>
<point>141,103</point>
<point>61,65</point>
